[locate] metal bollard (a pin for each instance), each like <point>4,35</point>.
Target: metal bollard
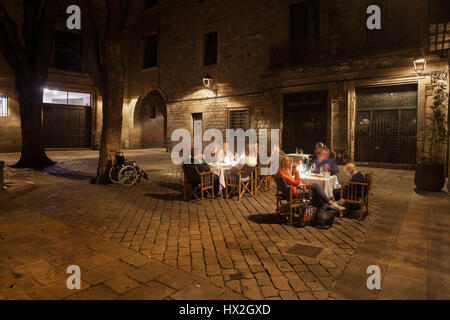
<point>2,180</point>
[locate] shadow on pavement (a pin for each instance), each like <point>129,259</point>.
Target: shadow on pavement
<point>430,193</point>
<point>267,219</point>
<point>176,187</point>
<point>61,172</point>
<point>165,196</point>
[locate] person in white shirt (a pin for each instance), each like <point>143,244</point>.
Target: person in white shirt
<point>224,155</point>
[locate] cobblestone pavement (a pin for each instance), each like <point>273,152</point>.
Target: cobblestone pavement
<point>242,246</point>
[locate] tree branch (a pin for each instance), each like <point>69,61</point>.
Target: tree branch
<point>11,46</point>
<point>45,36</point>
<point>30,16</point>
<point>91,46</point>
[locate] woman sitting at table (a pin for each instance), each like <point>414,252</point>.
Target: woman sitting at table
<point>318,195</point>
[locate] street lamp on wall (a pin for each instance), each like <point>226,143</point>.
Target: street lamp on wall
<point>207,81</point>
<point>420,66</point>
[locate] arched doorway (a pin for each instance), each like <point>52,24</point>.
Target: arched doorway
<point>151,116</point>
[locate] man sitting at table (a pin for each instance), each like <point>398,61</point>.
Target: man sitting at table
<point>318,195</point>
<point>224,155</point>
<point>356,176</point>
<point>324,161</point>
<point>317,151</point>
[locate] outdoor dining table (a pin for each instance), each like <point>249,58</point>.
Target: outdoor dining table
<point>219,170</point>
<point>328,184</point>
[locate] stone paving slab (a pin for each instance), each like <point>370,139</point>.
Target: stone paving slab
<point>239,246</point>
<point>35,254</point>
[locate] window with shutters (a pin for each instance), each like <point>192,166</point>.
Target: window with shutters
<point>305,21</point>
<point>3,107</point>
<point>151,51</point>
<point>210,48</point>
<point>150,4</point>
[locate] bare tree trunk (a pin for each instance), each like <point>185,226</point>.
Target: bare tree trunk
<point>105,64</point>
<point>33,152</point>
<point>111,135</point>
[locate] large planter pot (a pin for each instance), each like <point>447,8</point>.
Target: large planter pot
<point>429,177</point>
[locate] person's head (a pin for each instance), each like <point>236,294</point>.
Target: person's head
<point>286,164</point>
<point>319,147</point>
<point>350,169</point>
<point>326,153</point>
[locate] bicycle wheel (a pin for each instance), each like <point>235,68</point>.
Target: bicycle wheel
<point>128,176</point>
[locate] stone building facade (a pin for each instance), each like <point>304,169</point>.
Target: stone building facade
<point>303,67</point>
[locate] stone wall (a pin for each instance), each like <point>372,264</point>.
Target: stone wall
<point>252,35</point>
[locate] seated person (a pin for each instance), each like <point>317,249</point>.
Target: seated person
<point>246,164</point>
<point>317,151</point>
<point>203,167</point>
<point>276,149</point>
<point>356,176</point>
<point>224,155</point>
<point>318,195</point>
<point>324,161</point>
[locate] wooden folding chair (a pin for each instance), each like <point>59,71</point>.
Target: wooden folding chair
<point>285,193</point>
<point>240,181</point>
<point>357,195</point>
<point>262,182</point>
<point>197,184</point>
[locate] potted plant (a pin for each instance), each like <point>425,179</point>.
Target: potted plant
<point>430,174</point>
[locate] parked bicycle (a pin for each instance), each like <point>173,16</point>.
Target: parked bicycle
<point>126,173</point>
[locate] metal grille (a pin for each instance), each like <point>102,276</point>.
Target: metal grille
<point>238,118</point>
<point>440,37</point>
<point>386,136</point>
<point>3,106</point>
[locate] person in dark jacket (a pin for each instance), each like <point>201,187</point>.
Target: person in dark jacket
<point>324,161</point>
<point>356,176</point>
<point>203,167</point>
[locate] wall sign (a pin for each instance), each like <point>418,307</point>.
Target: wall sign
<point>382,97</point>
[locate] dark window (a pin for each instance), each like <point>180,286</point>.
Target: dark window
<point>151,52</point>
<point>210,48</point>
<point>238,118</point>
<point>67,51</point>
<point>305,20</point>
<point>152,112</point>
<point>150,4</point>
<point>3,107</point>
<point>198,120</point>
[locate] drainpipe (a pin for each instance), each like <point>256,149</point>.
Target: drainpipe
<point>2,180</point>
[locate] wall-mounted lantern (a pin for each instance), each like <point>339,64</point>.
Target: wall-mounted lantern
<point>420,66</point>
<point>207,81</point>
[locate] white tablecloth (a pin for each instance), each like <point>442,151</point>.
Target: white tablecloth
<point>219,170</point>
<point>327,184</point>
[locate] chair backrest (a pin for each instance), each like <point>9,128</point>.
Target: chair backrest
<point>369,180</point>
<point>246,171</point>
<point>191,174</point>
<point>120,159</point>
<point>282,186</point>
